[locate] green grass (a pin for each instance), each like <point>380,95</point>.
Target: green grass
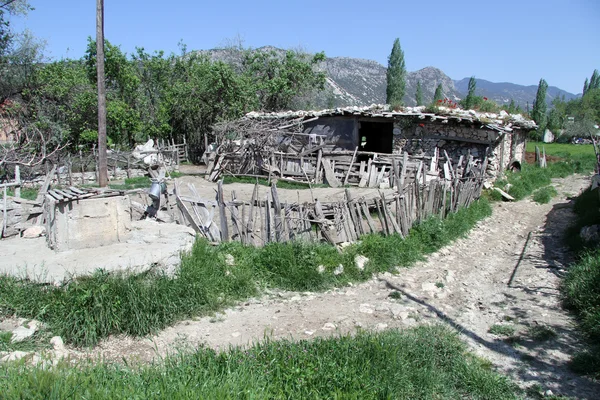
<point>502,330</point>
<point>420,363</point>
<point>139,182</point>
<point>564,150</point>
<point>581,286</point>
<point>26,193</point>
<point>541,333</point>
<point>531,178</point>
<point>91,308</point>
<point>265,182</point>
<point>544,195</point>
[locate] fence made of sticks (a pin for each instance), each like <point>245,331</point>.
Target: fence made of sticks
<point>258,221</point>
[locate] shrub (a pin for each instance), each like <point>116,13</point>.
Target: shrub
<point>544,195</point>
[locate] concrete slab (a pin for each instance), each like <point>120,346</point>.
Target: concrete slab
<point>150,243</point>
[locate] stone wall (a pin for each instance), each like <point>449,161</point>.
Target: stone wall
<point>461,140</point>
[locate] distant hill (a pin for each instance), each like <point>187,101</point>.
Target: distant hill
<point>358,82</point>
<point>503,92</point>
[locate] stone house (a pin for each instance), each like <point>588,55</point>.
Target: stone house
<point>376,129</point>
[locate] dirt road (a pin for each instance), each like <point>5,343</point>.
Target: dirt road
<point>463,285</point>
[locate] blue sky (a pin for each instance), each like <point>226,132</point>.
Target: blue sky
<point>501,41</point>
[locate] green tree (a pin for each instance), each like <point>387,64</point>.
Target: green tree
<point>396,76</point>
<point>538,113</point>
<point>469,101</point>
<point>439,93</point>
<point>419,94</point>
<point>594,80</point>
<point>278,79</point>
<point>586,85</point>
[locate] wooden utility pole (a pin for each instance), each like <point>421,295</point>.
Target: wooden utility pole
<point>102,163</point>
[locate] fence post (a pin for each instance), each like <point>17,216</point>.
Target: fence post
<point>18,181</point>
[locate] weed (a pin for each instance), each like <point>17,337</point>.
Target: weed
<point>541,333</point>
<point>502,330</point>
<point>544,195</point>
<point>395,295</point>
<point>439,284</point>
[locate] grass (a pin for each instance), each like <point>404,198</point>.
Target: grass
<point>544,195</point>
<point>27,193</point>
<point>565,150</point>
<point>581,286</point>
<point>420,363</point>
<point>502,330</point>
<point>531,178</point>
<point>541,333</point>
<point>139,182</point>
<point>91,308</point>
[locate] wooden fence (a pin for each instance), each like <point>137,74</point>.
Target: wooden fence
<point>264,220</point>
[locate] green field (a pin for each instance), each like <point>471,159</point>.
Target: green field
<point>564,150</point>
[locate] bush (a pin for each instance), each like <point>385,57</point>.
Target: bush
<point>544,195</point>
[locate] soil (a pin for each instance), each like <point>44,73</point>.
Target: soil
<point>530,158</point>
<point>464,285</point>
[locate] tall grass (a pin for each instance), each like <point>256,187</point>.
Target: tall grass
<point>91,308</point>
<point>581,286</point>
<point>420,363</point>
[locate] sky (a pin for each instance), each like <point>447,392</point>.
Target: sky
<point>500,41</point>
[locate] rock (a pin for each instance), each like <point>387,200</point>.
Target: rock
<point>321,269</point>
<point>21,333</point>
<point>14,356</point>
<point>366,308</point>
<point>229,260</point>
<point>34,232</point>
<point>548,392</point>
<point>328,326</point>
<point>236,334</point>
<point>428,286</point>
<point>339,270</point>
<point>380,327</point>
<point>309,333</point>
<point>450,276</point>
<point>57,343</point>
<point>361,261</point>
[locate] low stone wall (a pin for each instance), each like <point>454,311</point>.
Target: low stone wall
<point>87,223</point>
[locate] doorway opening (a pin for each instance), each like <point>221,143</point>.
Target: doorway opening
<point>376,137</point>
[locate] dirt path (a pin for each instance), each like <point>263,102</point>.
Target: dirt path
<point>464,285</point>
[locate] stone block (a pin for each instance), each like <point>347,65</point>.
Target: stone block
<point>88,223</point>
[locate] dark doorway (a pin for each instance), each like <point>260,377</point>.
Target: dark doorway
<point>376,136</point>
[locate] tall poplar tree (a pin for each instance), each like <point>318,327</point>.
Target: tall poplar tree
<point>439,93</point>
<point>396,76</point>
<point>538,113</point>
<point>470,99</point>
<point>419,94</point>
<point>586,85</point>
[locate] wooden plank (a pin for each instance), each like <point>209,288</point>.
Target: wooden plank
<point>277,212</point>
<point>318,167</point>
<point>364,178</point>
<point>321,222</point>
<point>235,220</point>
<point>367,214</point>
<point>329,174</point>
<point>351,164</point>
<point>186,213</point>
<point>269,233</point>
<point>222,214</point>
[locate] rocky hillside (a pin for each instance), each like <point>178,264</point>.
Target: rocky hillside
<point>359,82</point>
<point>503,92</point>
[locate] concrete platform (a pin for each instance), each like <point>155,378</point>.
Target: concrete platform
<point>149,243</point>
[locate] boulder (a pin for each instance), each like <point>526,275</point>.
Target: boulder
<point>34,232</point>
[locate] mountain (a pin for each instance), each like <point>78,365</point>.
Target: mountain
<point>359,82</point>
<point>503,92</point>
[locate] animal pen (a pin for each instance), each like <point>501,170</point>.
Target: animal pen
<point>423,164</point>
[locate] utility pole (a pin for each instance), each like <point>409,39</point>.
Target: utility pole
<point>102,163</point>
